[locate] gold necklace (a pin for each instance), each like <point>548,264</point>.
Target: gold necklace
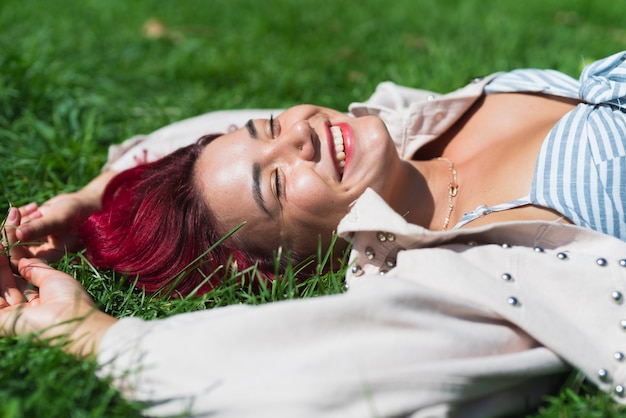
<point>453,189</point>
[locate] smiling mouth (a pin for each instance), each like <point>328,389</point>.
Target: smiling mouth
<point>340,151</point>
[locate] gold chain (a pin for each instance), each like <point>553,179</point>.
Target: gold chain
<point>453,189</point>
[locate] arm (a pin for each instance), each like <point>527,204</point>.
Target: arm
<point>385,345</point>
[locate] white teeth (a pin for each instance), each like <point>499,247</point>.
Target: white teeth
<point>340,154</point>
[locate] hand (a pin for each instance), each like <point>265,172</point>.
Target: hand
<point>53,306</point>
<point>49,230</point>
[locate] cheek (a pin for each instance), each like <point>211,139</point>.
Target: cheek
<point>311,194</point>
<point>314,209</point>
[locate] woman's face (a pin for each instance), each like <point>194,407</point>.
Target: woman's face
<point>292,179</point>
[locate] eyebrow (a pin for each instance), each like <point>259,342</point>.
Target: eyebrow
<point>251,129</point>
<point>256,187</point>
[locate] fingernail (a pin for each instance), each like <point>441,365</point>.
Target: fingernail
<point>30,206</point>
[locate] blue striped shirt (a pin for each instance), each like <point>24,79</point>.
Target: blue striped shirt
<point>581,167</point>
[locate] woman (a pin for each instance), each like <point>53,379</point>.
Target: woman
<point>468,322</point>
<point>524,145</point>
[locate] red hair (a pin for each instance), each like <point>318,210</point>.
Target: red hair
<point>154,224</point>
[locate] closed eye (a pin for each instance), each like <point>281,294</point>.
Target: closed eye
<point>278,185</point>
<point>274,127</point>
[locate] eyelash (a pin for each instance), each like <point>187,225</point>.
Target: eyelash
<point>278,184</point>
<point>273,125</point>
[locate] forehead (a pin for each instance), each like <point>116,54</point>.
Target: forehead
<point>223,158</point>
<point>224,174</point>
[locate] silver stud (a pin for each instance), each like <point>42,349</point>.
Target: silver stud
<point>391,237</point>
<point>617,296</point>
<point>430,98</point>
<point>357,270</point>
<point>390,262</point>
<point>382,272</point>
<point>619,356</point>
<point>538,249</point>
<point>472,243</point>
<point>622,323</point>
<point>346,286</point>
<point>603,374</point>
<point>513,301</point>
<point>619,391</point>
<point>622,262</point>
<point>601,262</point>
<point>370,253</point>
<point>506,245</point>
<point>562,256</point>
<point>507,277</point>
<point>382,237</point>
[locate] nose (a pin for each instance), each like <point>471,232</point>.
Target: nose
<point>297,142</point>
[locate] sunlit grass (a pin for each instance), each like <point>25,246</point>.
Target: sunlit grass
<point>76,76</point>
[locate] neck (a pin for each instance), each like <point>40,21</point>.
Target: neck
<point>425,201</point>
<point>411,194</point>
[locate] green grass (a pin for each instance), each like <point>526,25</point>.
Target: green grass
<point>76,76</point>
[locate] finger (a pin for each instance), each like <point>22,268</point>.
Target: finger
<point>9,291</point>
<point>29,291</point>
<point>31,295</point>
<point>11,294</point>
<point>9,317</point>
<point>31,217</point>
<point>46,252</point>
<point>29,208</point>
<point>36,228</point>
<point>11,226</point>
<point>54,286</point>
<point>37,272</point>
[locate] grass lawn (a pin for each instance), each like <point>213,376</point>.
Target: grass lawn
<point>76,76</point>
